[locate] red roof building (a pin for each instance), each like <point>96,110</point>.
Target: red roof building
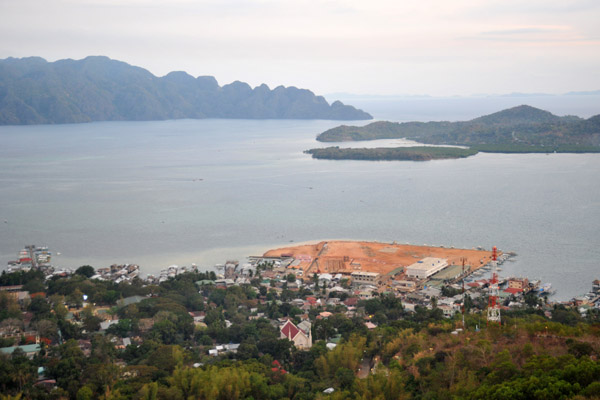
<point>513,290</point>
<point>300,336</point>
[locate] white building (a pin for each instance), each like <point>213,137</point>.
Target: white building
<point>426,267</point>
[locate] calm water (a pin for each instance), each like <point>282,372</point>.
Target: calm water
<point>182,192</point>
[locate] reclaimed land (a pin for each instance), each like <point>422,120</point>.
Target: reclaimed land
<point>422,153</point>
<point>339,256</point>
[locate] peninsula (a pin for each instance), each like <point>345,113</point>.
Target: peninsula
<point>518,126</point>
<point>522,129</point>
<point>34,91</point>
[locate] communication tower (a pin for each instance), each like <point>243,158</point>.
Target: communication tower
<point>493,311</point>
<point>463,292</point>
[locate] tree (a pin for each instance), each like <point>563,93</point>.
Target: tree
<point>373,305</point>
<point>86,270</point>
<point>247,350</point>
<point>344,377</point>
<point>47,328</point>
<point>75,298</point>
<point>166,357</point>
<point>9,308</point>
<point>85,393</point>
<point>35,286</point>
<point>40,307</point>
<point>531,299</point>
<point>121,328</point>
<point>66,366</point>
<point>91,323</point>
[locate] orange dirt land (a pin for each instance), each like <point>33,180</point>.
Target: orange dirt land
<point>349,256</point>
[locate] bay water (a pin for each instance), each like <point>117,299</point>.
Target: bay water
<point>203,191</point>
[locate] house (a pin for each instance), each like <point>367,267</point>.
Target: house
<point>130,300</point>
<point>300,335</point>
<point>29,349</point>
<point>223,349</point>
<point>405,286</point>
<point>449,310</point>
<point>198,316</point>
<point>351,301</point>
<point>104,325</point>
<point>596,286</point>
<point>518,283</point>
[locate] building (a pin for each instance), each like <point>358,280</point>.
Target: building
<point>518,283</point>
<point>596,286</point>
<point>405,286</point>
<point>426,267</point>
<point>364,278</point>
<point>300,335</point>
<point>30,350</point>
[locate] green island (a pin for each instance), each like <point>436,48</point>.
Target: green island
<point>196,337</point>
<point>421,153</point>
<point>427,153</point>
<point>522,129</point>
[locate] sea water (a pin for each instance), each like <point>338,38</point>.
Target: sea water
<point>203,191</point>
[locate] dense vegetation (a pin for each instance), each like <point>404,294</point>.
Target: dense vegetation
<point>520,126</point>
<point>422,153</point>
<point>33,91</point>
<point>425,153</point>
<point>410,355</point>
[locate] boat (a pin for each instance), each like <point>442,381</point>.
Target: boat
<point>545,288</point>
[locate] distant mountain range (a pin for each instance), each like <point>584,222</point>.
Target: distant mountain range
<point>344,95</point>
<point>522,125</point>
<point>34,91</point>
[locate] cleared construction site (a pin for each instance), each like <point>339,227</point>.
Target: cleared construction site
<point>386,259</point>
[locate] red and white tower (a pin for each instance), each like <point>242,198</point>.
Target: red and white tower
<point>493,311</point>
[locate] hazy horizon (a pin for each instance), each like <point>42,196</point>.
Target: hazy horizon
<point>381,47</point>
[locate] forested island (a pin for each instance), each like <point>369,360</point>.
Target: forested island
<point>421,153</point>
<point>34,91</point>
<point>428,153</point>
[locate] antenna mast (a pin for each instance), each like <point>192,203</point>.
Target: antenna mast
<point>493,311</point>
<point>463,292</point>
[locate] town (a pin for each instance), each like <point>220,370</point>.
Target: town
<point>307,299</point>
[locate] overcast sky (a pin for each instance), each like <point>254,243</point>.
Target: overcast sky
<point>436,47</point>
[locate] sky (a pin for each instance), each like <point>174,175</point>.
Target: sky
<point>381,47</point>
